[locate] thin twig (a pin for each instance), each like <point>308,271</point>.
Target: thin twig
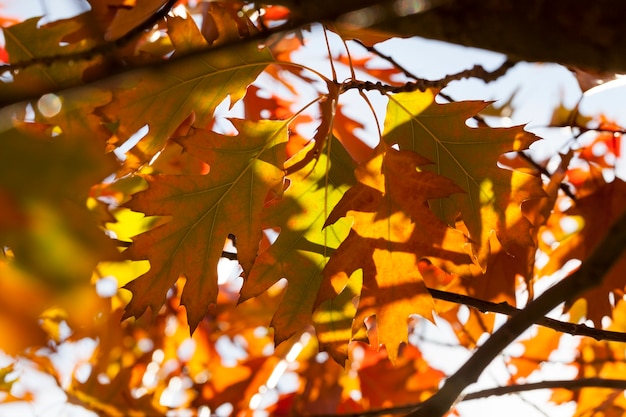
<point>504,308</point>
<point>477,71</point>
<point>576,384</point>
<point>387,58</point>
<point>102,49</point>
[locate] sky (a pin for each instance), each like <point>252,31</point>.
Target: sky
<point>537,89</point>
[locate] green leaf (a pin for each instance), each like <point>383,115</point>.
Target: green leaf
<point>334,320</point>
<point>303,246</point>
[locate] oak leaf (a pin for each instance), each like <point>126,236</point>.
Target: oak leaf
<point>197,85</point>
<point>27,40</point>
<point>409,380</point>
<point>205,209</point>
<point>334,321</point>
<point>537,350</point>
<point>599,359</point>
<point>184,35</point>
<point>303,246</point>
<point>492,196</point>
<point>224,22</point>
<point>393,229</point>
<point>128,18</point>
<point>344,129</point>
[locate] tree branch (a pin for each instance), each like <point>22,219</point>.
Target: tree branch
<point>580,33</point>
<point>477,71</point>
<point>573,32</point>
<point>566,384</point>
<point>576,384</point>
<point>504,308</point>
<point>102,49</point>
<point>303,13</point>
<point>587,276</point>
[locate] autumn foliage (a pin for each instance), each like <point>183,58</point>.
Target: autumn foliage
<point>181,188</point>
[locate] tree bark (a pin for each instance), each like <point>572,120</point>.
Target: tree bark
<point>586,34</point>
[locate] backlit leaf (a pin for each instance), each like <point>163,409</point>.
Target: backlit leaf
<point>162,98</point>
<point>303,246</point>
<point>492,196</point>
<point>610,200</point>
<point>26,41</point>
<point>205,209</point>
<point>393,229</point>
<point>128,18</point>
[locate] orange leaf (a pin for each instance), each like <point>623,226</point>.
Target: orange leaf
<point>127,18</point>
<point>205,210</point>
<point>276,13</point>
<point>409,380</point>
<point>393,229</point>
<point>537,350</point>
<point>343,129</point>
<point>384,74</point>
<point>610,200</point>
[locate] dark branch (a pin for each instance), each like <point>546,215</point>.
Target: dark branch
<point>477,71</point>
<point>504,308</point>
<point>102,49</point>
<point>589,275</point>
<point>566,384</point>
<point>580,33</point>
<point>304,13</point>
<point>577,384</point>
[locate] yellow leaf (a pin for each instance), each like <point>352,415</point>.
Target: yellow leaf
<point>393,229</point>
<point>303,246</point>
<point>492,197</point>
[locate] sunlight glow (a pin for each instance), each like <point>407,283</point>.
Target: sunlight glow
<point>106,287</point>
<point>49,105</point>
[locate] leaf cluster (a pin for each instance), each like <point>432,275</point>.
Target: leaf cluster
<point>252,227</point>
